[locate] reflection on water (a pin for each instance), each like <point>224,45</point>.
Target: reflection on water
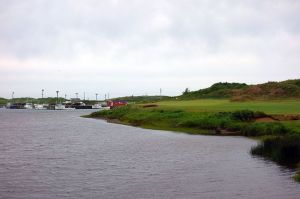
<point>57,154</point>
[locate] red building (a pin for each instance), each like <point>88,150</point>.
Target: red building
<point>116,103</point>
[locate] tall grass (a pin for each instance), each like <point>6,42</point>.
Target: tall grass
<point>281,149</point>
<point>297,176</point>
<point>241,121</point>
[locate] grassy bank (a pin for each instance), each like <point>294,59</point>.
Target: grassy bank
<point>297,176</point>
<point>282,149</point>
<point>280,138</point>
<point>222,105</point>
<point>239,122</point>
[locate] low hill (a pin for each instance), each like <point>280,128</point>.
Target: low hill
<point>218,90</point>
<point>270,90</point>
<point>48,100</point>
<point>3,101</point>
<point>241,92</point>
<point>143,99</point>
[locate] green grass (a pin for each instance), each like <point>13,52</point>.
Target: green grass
<point>217,105</point>
<point>297,176</point>
<point>242,122</point>
<point>3,101</point>
<point>284,150</point>
<point>295,125</point>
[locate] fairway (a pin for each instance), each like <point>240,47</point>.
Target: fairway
<point>216,105</point>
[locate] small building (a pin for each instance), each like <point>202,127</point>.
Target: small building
<point>116,103</point>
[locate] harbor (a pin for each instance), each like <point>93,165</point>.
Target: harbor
<point>67,105</point>
<point>59,103</point>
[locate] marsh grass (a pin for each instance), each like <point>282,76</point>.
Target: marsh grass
<point>297,176</point>
<point>284,150</point>
<point>242,121</point>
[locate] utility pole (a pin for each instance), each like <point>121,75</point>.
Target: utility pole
<point>96,97</point>
<point>42,94</point>
<point>65,96</point>
<point>57,97</point>
<point>83,95</point>
<point>160,91</point>
<point>12,96</point>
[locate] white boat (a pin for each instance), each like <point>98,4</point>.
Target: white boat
<point>40,106</point>
<point>28,106</point>
<point>8,105</point>
<point>96,106</point>
<point>59,107</point>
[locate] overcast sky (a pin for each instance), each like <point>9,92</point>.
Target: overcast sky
<point>126,47</point>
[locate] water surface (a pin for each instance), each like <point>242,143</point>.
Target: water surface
<point>57,154</point>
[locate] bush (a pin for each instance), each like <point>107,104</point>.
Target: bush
<point>297,176</point>
<point>260,129</point>
<point>243,115</point>
<point>284,150</point>
<point>247,115</point>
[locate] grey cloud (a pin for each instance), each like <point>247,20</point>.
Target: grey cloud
<point>135,38</point>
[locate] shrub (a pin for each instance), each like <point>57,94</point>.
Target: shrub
<point>284,150</point>
<point>247,115</point>
<point>243,115</point>
<point>297,176</point>
<point>260,129</point>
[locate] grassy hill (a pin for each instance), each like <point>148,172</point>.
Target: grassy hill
<point>270,90</point>
<point>218,90</point>
<point>3,101</point>
<point>143,99</point>
<point>242,92</point>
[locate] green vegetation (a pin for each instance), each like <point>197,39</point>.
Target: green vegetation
<point>3,101</point>
<point>282,149</point>
<point>143,99</point>
<point>49,100</point>
<point>242,92</point>
<point>218,90</point>
<point>297,176</point>
<point>275,122</point>
<point>221,105</point>
<point>241,122</point>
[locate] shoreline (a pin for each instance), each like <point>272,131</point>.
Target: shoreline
<point>296,177</point>
<point>189,131</point>
<point>275,139</point>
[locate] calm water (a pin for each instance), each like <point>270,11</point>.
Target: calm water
<point>57,154</point>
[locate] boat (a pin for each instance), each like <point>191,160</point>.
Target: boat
<point>40,106</point>
<point>18,106</point>
<point>81,105</point>
<point>68,105</point>
<point>96,106</point>
<point>28,106</point>
<point>59,107</point>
